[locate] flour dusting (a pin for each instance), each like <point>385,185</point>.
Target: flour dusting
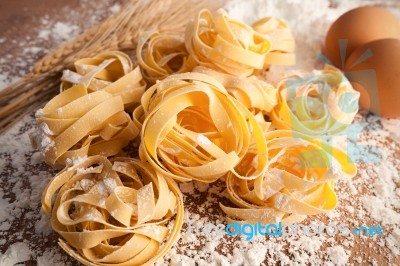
<point>371,198</point>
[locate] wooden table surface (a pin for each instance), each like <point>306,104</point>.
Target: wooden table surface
<point>20,24</point>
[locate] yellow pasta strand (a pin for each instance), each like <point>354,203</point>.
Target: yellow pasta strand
<point>219,42</point>
<point>283,45</point>
<point>160,55</point>
<point>114,212</point>
<point>193,129</point>
<point>88,116</point>
<point>77,123</point>
<point>112,72</point>
<point>299,181</point>
<point>200,125</point>
<point>254,93</point>
<point>323,104</point>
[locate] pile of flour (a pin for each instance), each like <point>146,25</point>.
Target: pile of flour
<point>373,197</point>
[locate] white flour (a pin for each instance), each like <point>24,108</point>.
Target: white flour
<point>373,197</point>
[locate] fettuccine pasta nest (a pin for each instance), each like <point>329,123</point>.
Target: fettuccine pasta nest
<point>194,130</point>
<point>207,114</point>
<point>77,123</point>
<point>114,212</point>
<point>299,181</point>
<point>323,104</point>
<point>283,45</point>
<point>160,55</point>
<point>257,95</point>
<point>216,41</point>
<point>88,117</point>
<point>112,72</point>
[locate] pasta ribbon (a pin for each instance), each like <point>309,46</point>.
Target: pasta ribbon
<point>200,125</point>
<point>283,45</point>
<point>299,181</point>
<point>114,212</point>
<point>221,43</point>
<point>322,104</point>
<point>77,123</point>
<point>256,94</point>
<point>160,55</point>
<point>193,129</point>
<point>111,72</point>
<point>217,42</point>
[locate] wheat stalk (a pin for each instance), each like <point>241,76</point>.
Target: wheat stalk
<point>118,32</point>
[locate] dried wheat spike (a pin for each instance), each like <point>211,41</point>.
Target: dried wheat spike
<point>118,32</point>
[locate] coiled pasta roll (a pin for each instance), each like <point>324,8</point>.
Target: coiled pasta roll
<point>299,181</point>
<point>112,72</point>
<point>322,104</point>
<point>256,94</point>
<point>218,42</point>
<point>283,45</point>
<point>77,123</point>
<point>160,55</point>
<point>193,129</point>
<point>114,212</point>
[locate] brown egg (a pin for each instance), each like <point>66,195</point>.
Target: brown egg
<point>359,26</point>
<point>374,70</point>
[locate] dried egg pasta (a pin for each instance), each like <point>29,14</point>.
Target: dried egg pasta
<point>202,125</point>
<point>77,123</point>
<point>88,116</point>
<point>219,42</point>
<point>322,104</point>
<point>283,45</point>
<point>114,213</point>
<point>111,72</point>
<point>193,129</point>
<point>160,55</point>
<point>256,94</point>
<point>299,181</point>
